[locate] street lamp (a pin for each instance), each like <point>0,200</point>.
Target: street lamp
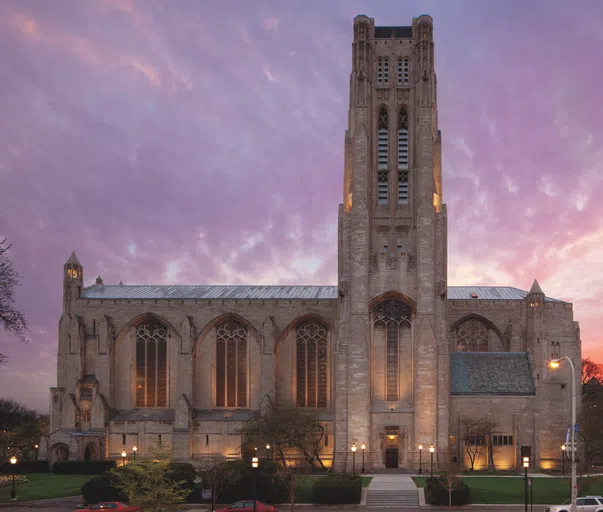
<point>563,447</point>
<point>123,457</point>
<point>526,465</point>
<point>555,364</point>
<point>420,462</point>
<point>268,451</point>
<point>13,494</point>
<point>255,462</point>
<point>134,449</point>
<point>363,447</point>
<point>354,458</point>
<point>431,450</point>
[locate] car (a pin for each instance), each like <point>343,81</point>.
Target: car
<point>117,506</point>
<point>247,506</point>
<point>585,504</point>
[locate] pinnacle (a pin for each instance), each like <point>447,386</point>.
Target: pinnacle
<point>536,287</point>
<point>73,258</point>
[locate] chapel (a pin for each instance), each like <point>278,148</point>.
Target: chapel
<point>391,356</point>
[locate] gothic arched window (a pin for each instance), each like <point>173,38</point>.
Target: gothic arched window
<point>312,364</point>
<point>392,314</point>
<point>472,336</point>
<point>403,156</point>
<point>151,365</point>
<point>382,155</point>
<point>231,364</point>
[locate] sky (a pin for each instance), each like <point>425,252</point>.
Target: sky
<point>202,142</point>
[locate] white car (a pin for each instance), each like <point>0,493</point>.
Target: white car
<point>586,504</point>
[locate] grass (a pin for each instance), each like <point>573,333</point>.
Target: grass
<point>508,490</point>
<point>45,485</point>
<point>303,487</point>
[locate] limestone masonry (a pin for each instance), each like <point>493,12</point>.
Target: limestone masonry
<point>391,357</point>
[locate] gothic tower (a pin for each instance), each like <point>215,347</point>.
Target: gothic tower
<point>392,369</point>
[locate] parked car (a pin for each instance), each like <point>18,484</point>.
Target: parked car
<point>116,506</point>
<point>247,506</point>
<point>585,504</point>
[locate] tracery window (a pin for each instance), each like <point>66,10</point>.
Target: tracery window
<point>312,365</point>
<point>382,71</point>
<point>151,365</point>
<point>472,336</point>
<point>403,71</point>
<point>231,364</point>
<point>392,314</point>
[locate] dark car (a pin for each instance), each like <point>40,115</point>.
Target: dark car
<point>117,506</point>
<point>247,506</point>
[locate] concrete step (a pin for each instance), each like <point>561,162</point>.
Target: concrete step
<point>392,498</point>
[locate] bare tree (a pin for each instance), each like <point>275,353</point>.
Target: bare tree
<point>474,436</point>
<point>218,474</point>
<point>10,317</point>
<point>489,428</point>
<point>450,480</point>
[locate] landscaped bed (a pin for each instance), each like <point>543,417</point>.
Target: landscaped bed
<point>510,490</point>
<point>40,486</point>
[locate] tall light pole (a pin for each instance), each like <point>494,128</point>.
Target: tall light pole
<point>123,457</point>
<point>13,494</point>
<point>134,449</point>
<point>354,459</point>
<point>431,450</point>
<point>255,462</point>
<point>526,465</point>
<point>363,447</point>
<point>555,364</point>
<point>420,462</point>
<point>563,459</point>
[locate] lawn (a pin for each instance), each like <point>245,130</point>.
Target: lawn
<point>45,485</point>
<point>303,487</point>
<point>509,490</point>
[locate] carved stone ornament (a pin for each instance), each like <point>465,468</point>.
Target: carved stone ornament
<point>392,310</point>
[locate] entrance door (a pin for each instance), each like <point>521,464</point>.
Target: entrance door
<point>391,458</point>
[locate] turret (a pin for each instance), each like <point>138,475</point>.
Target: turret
<point>73,279</point>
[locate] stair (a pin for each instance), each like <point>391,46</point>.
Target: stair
<point>392,498</point>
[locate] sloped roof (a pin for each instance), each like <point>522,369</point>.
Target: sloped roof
<point>491,373</point>
<point>233,292</point>
<point>490,293</point>
<point>253,292</point>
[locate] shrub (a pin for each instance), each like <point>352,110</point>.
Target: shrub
<point>267,488</point>
<point>26,466</point>
<point>82,467</point>
<point>338,488</point>
<point>101,488</point>
<point>8,480</point>
<point>435,494</point>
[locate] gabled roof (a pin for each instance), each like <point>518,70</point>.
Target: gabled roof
<point>491,373</point>
<point>253,292</point>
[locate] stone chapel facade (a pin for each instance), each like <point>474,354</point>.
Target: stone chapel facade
<point>391,356</point>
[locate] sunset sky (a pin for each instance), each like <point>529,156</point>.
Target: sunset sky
<point>201,142</point>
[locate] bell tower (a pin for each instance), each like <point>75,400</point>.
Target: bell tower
<point>73,280</point>
<point>392,246</point>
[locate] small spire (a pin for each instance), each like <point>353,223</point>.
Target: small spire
<point>73,259</point>
<point>536,287</point>
<point>99,280</point>
<point>121,283</point>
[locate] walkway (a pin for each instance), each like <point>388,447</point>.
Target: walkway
<point>392,490</point>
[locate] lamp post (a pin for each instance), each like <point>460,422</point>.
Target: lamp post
<point>526,465</point>
<point>255,462</point>
<point>13,494</point>
<point>268,452</point>
<point>431,450</point>
<point>363,447</point>
<point>555,364</point>
<point>420,456</point>
<point>563,459</point>
<point>123,457</point>
<point>354,459</point>
<point>134,449</point>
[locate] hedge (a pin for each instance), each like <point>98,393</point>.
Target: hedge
<point>101,488</point>
<point>267,488</point>
<point>437,494</point>
<point>26,466</point>
<point>82,467</point>
<point>338,489</point>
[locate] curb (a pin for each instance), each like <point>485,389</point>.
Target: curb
<point>48,500</point>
